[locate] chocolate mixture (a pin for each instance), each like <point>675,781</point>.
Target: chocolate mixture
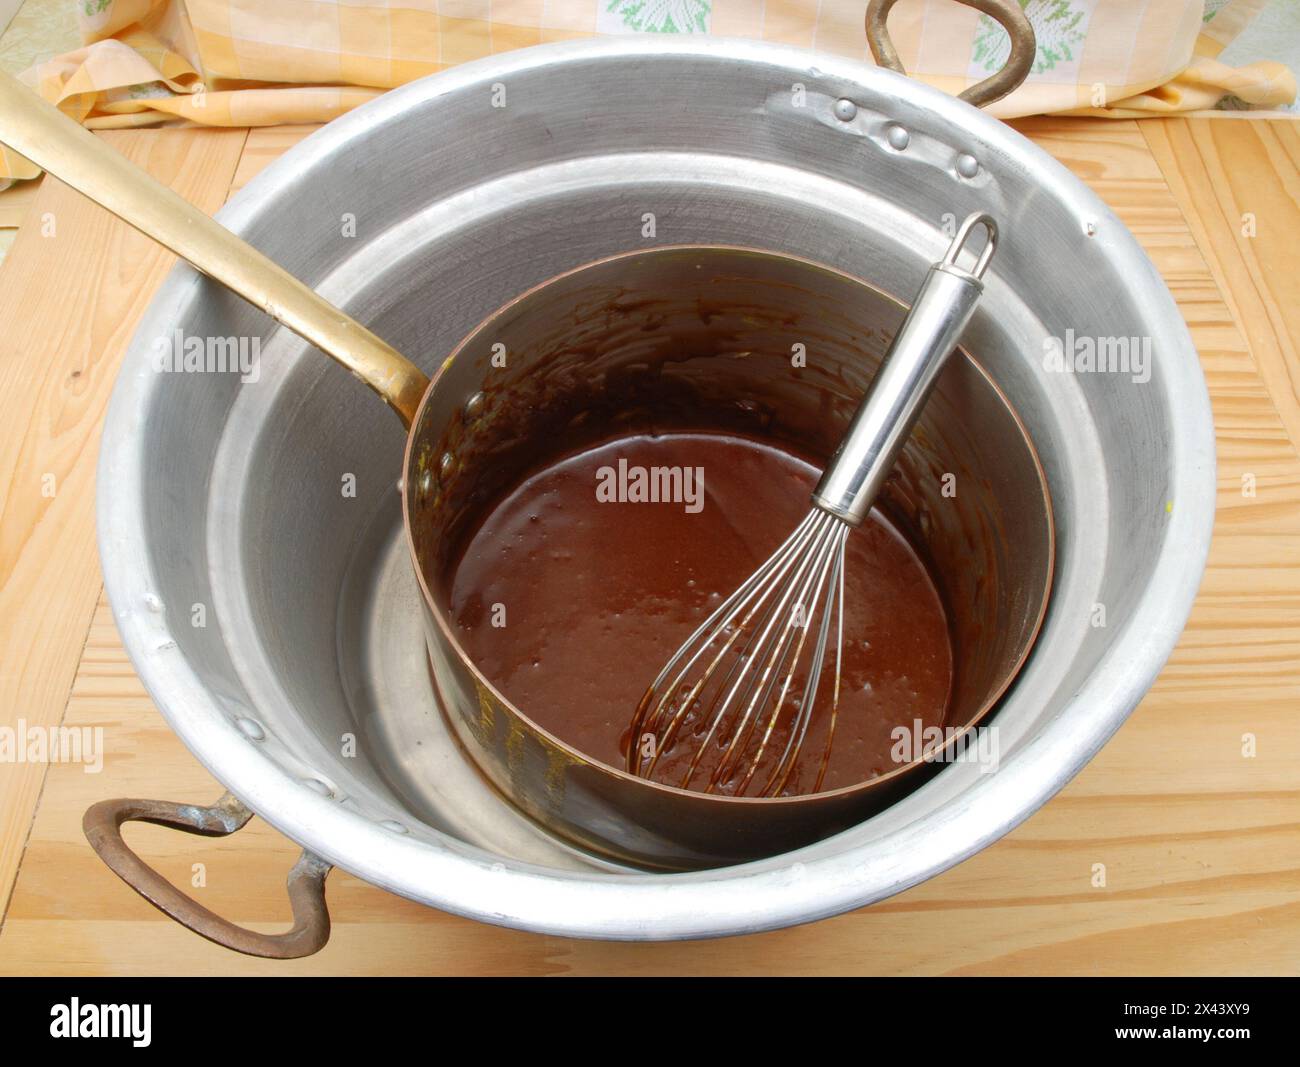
<point>572,592</point>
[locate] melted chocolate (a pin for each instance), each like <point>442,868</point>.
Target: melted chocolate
<point>570,604</point>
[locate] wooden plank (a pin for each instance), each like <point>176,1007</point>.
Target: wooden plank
<point>1238,184</point>
<point>70,295</point>
<point>1094,150</point>
<point>264,145</point>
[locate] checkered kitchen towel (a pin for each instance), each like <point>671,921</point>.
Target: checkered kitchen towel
<point>266,62</point>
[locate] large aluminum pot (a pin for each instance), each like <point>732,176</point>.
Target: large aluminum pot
<point>272,503</point>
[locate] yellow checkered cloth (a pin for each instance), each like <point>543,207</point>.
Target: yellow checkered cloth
<point>266,62</point>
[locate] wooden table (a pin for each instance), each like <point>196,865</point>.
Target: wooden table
<point>1201,843</point>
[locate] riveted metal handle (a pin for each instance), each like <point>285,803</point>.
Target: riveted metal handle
<point>1024,47</point>
<point>102,824</point>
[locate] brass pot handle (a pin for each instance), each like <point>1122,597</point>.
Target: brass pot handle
<point>34,128</point>
<point>102,824</point>
<point>1009,13</point>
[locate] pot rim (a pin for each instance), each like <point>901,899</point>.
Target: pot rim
<point>764,894</point>
<point>440,616</point>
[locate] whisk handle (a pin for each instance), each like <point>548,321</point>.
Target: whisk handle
<point>894,400</point>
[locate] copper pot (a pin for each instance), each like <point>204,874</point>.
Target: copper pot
<point>699,338</point>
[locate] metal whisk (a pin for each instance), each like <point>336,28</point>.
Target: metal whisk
<point>751,659</point>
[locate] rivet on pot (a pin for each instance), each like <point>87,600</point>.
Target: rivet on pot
<point>250,728</point>
<point>845,110</point>
<point>317,786</point>
<point>153,602</point>
<point>444,464</point>
<point>1090,228</point>
<point>426,483</point>
<point>474,405</point>
<point>898,138</point>
<point>967,165</point>
<point>393,826</point>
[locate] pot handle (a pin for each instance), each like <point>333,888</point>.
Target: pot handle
<point>102,824</point>
<point>1024,47</point>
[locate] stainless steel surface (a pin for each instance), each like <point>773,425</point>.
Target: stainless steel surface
<point>939,314</point>
<point>704,135</point>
